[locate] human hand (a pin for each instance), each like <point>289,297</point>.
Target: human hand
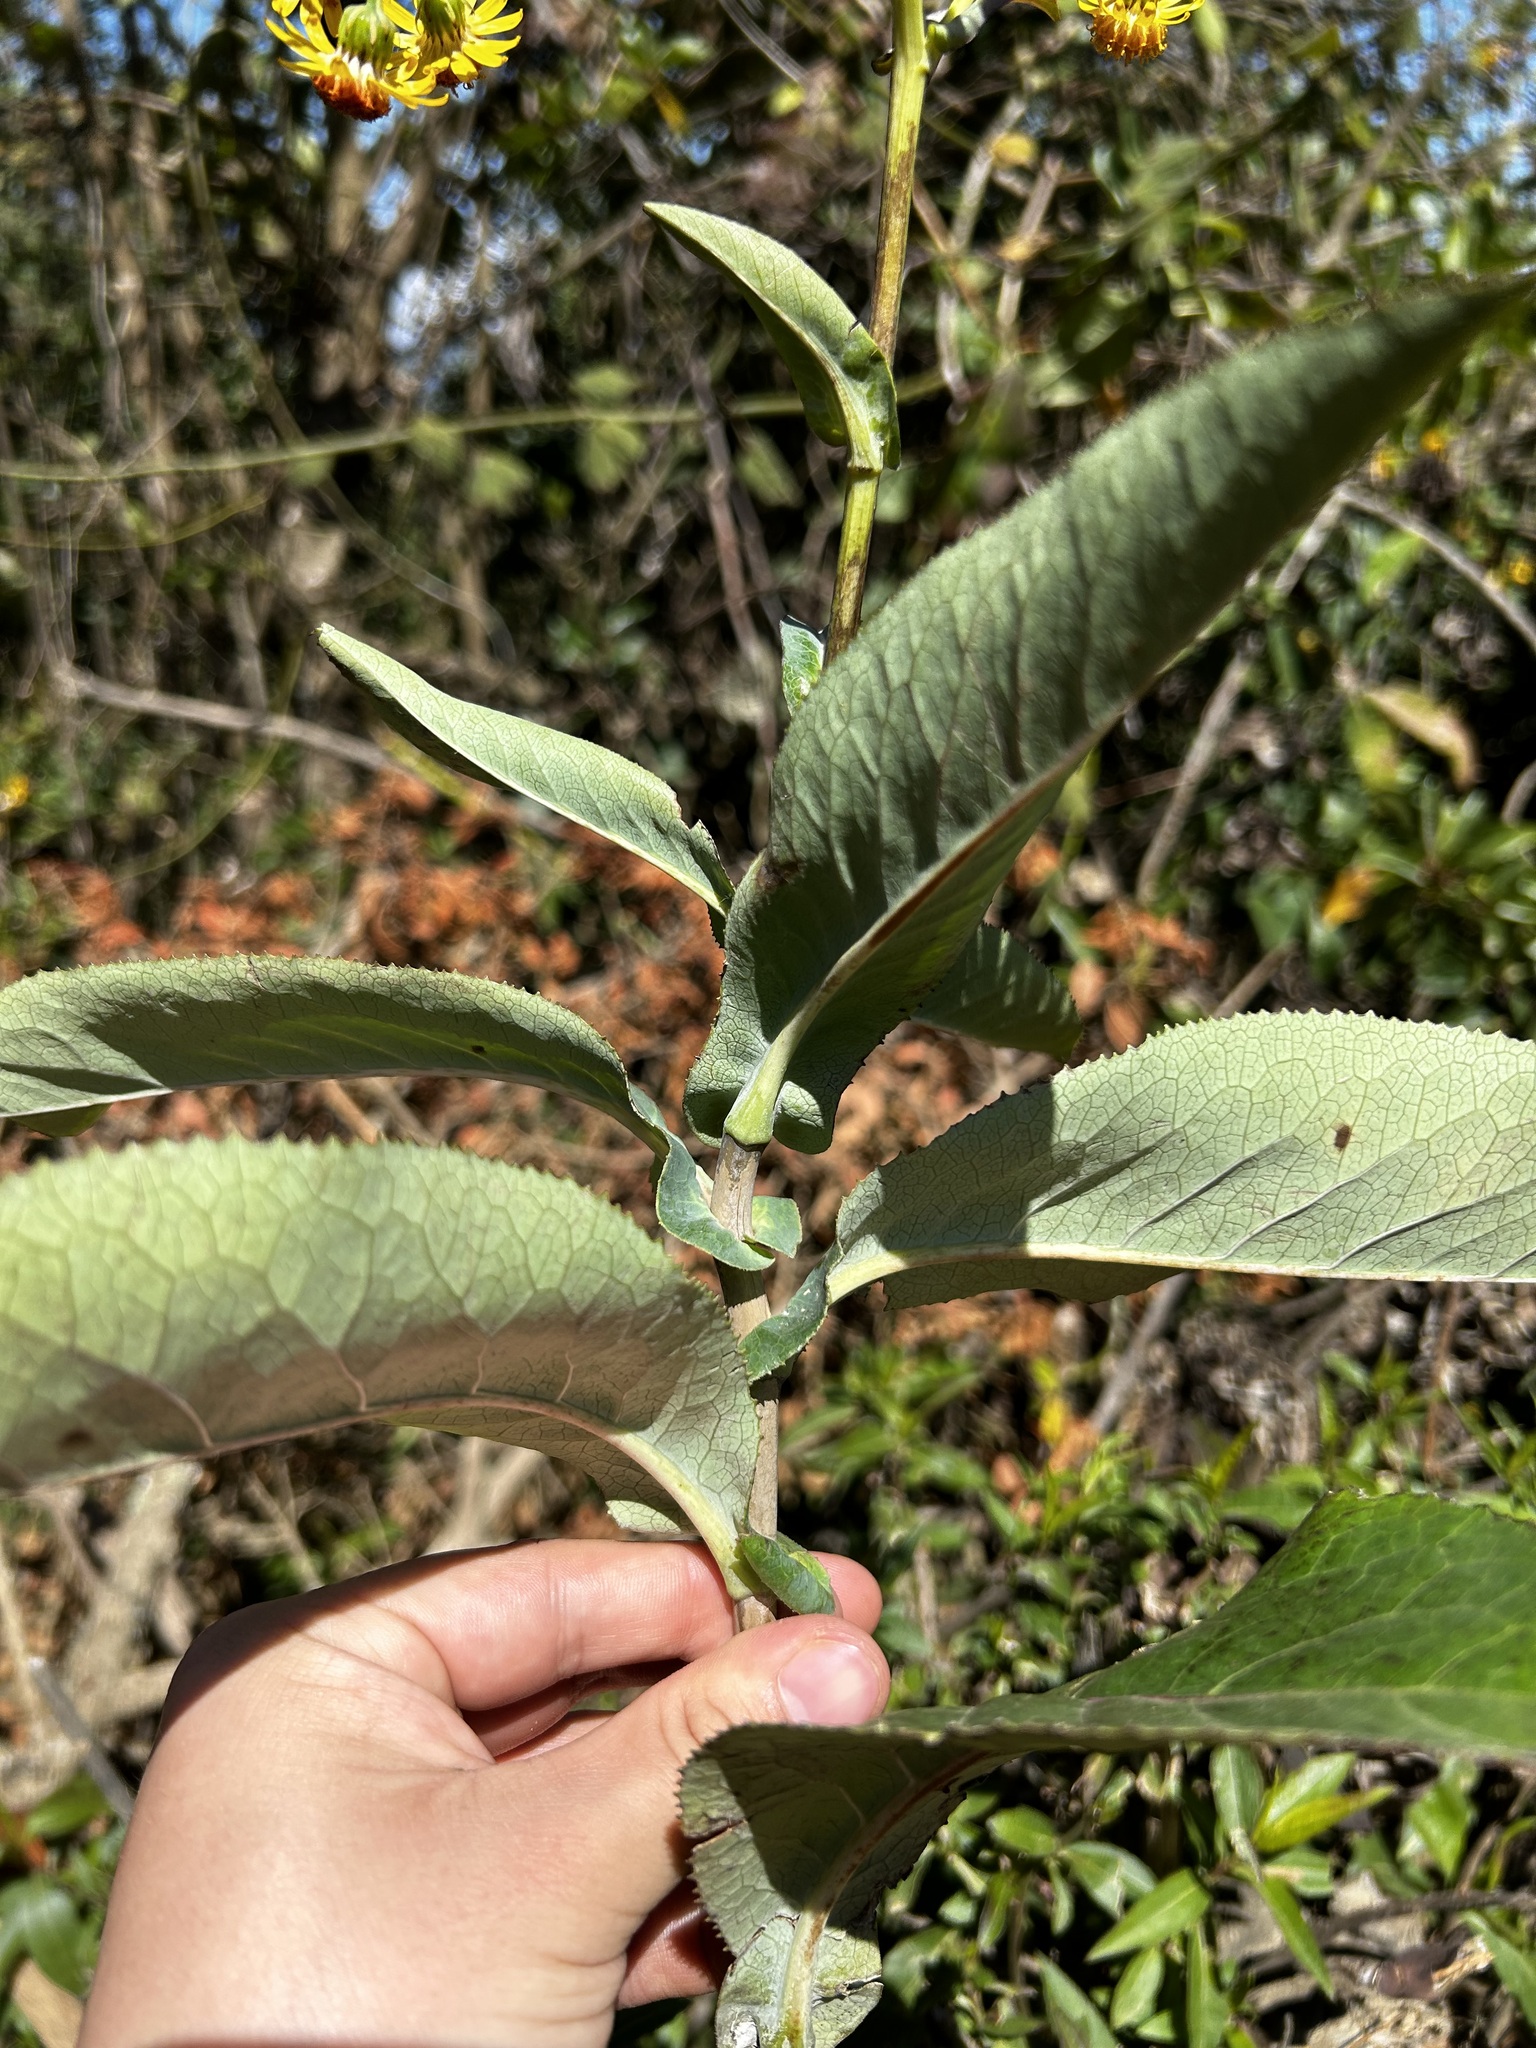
<point>370,1818</point>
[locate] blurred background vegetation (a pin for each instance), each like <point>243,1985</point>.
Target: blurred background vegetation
<point>437,380</point>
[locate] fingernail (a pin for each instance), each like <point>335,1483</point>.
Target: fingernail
<point>831,1682</point>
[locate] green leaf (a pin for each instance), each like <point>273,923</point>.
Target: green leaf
<point>171,1301</point>
<point>1338,1145</point>
<point>1439,1819</point>
<point>1172,1908</point>
<point>1237,1784</point>
<point>843,380</point>
<point>38,1919</point>
<point>682,1207</point>
<point>92,1035</point>
<point>1136,1994</point>
<point>998,991</point>
<point>1022,1831</point>
<point>1108,1874</point>
<point>586,783</point>
<point>790,1573</point>
<point>932,748</point>
<point>1307,1801</point>
<point>1516,1966</point>
<point>1075,2020</point>
<point>1404,1621</point>
<point>1206,2011</point>
<point>770,1347</point>
<point>777,1224</point>
<point>67,1810</point>
<point>1293,1924</point>
<point>804,652</point>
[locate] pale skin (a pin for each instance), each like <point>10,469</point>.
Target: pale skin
<point>373,1820</point>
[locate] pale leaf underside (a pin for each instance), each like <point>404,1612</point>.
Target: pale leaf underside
<point>177,1300</point>
<point>1405,1622</point>
<point>1315,1144</point>
<point>928,751</point>
<point>135,1028</point>
<point>579,780</point>
<point>93,1035</point>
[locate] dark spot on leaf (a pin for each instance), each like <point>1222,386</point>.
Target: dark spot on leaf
<point>1342,1133</point>
<point>477,1048</point>
<point>76,1440</point>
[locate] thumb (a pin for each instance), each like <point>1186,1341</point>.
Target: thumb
<point>621,1782</point>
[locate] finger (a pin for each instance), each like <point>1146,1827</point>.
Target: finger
<point>507,1623</point>
<point>618,1787</point>
<point>676,1954</point>
<point>491,1626</point>
<point>521,1723</point>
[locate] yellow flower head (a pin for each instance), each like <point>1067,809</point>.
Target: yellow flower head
<point>452,41</point>
<point>349,56</point>
<point>1135,31</point>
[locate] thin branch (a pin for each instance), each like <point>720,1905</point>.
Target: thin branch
<point>1120,1382</point>
<point>515,419</point>
<point>227,718</point>
<point>1513,614</point>
<point>1214,720</point>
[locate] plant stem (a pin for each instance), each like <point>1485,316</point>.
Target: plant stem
<point>909,81</point>
<point>859,493</point>
<point>746,1302</point>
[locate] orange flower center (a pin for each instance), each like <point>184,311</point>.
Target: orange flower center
<point>352,92</point>
<point>1132,30</point>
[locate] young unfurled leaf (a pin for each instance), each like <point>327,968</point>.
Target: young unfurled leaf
<point>586,783</point>
<point>1334,1145</point>
<point>790,1572</point>
<point>171,1301</point>
<point>777,1224</point>
<point>843,380</point>
<point>1406,1621</point>
<point>999,992</point>
<point>805,652</point>
<point>930,750</point>
<point>1306,1802</point>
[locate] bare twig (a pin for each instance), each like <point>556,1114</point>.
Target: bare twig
<point>348,1112</point>
<point>104,1774</point>
<point>1313,540</point>
<point>1513,614</point>
<point>491,1478</point>
<point>225,718</point>
<point>1214,720</point>
<point>1120,1381</point>
<point>13,1634</point>
<point>1255,981</point>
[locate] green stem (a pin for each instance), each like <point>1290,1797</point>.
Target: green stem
<point>909,82</point>
<point>859,494</point>
<point>746,1302</point>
